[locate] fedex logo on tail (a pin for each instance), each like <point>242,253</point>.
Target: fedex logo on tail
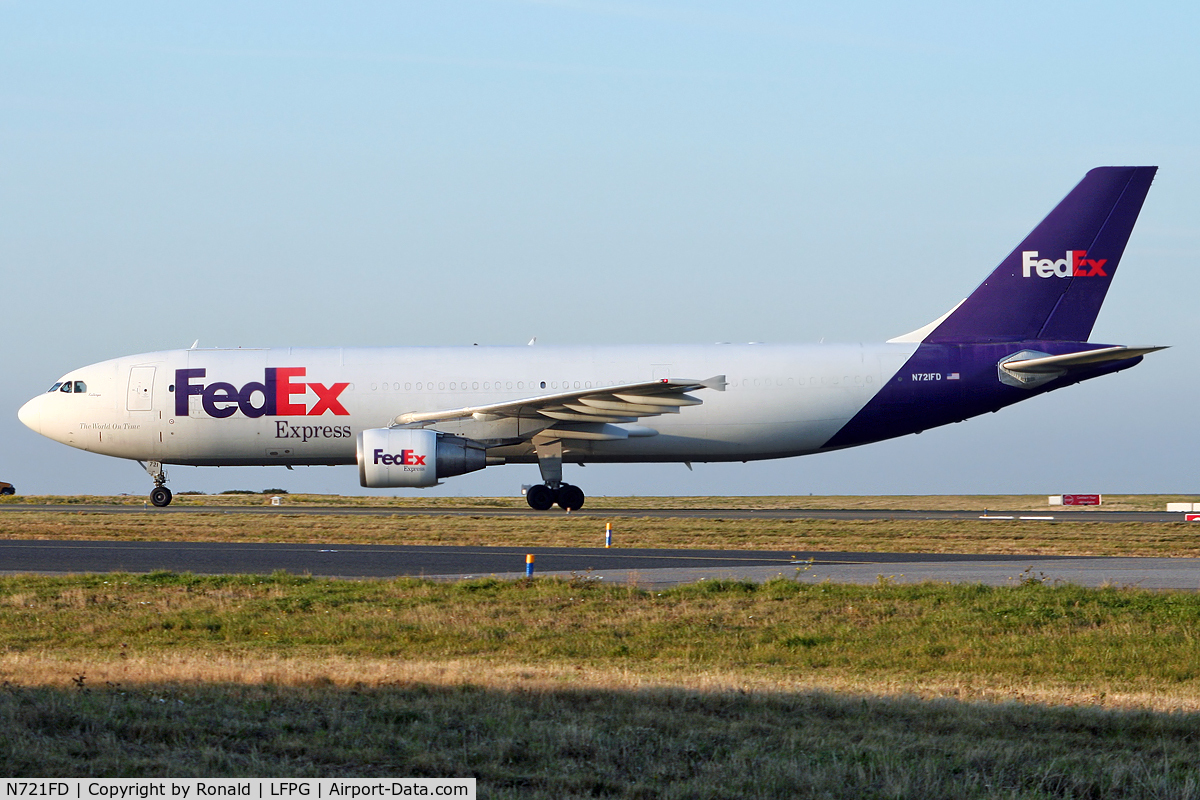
<point>270,398</point>
<point>1073,265</point>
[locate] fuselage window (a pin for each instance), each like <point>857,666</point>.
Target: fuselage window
<point>54,388</point>
<point>80,387</point>
<point>66,387</point>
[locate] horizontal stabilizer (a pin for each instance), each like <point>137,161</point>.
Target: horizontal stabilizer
<point>1071,361</point>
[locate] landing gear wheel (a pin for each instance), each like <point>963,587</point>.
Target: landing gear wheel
<point>539,497</point>
<point>570,498</point>
<point>160,496</point>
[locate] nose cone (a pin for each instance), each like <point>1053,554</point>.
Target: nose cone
<point>31,414</point>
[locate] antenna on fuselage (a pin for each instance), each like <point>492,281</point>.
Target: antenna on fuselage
<point>195,344</point>
<point>532,342</point>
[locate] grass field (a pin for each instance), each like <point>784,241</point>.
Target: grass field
<point>552,689</point>
<point>571,689</point>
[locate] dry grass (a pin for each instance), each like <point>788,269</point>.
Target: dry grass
<point>56,671</point>
<point>535,530</point>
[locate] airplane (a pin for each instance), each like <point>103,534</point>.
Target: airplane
<point>414,416</point>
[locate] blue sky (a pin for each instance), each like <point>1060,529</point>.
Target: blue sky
<point>448,173</point>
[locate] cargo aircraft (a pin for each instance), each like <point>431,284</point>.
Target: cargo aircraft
<point>414,416</point>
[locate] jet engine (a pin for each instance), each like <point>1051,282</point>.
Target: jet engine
<point>413,457</point>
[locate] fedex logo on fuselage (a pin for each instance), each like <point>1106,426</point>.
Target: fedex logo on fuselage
<point>407,458</point>
<point>270,398</point>
<point>1073,265</point>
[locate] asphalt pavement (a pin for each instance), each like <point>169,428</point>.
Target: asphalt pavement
<point>644,567</point>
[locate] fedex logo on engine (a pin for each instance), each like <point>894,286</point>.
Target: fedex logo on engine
<point>1073,265</point>
<point>407,458</point>
<point>270,398</point>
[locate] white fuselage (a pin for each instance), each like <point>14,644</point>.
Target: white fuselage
<point>781,400</point>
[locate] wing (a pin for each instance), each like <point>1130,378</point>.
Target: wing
<point>583,414</point>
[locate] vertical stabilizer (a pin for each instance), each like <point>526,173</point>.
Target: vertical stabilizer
<point>1052,285</point>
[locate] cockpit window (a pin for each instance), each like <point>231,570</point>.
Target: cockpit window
<point>66,387</point>
<point>54,388</point>
<point>80,387</point>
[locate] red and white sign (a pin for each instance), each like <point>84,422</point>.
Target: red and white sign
<point>1192,517</point>
<point>1081,500</point>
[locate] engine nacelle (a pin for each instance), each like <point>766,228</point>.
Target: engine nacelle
<point>395,457</point>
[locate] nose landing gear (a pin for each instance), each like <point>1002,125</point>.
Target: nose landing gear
<point>160,495</point>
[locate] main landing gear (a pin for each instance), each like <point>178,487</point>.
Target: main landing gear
<point>160,495</point>
<point>552,490</point>
<point>541,497</point>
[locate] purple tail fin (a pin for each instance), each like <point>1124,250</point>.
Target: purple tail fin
<point>1052,285</point>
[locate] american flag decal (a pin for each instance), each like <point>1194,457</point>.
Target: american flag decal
<point>953,376</point>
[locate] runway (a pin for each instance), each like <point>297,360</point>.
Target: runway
<point>614,513</point>
<point>643,567</point>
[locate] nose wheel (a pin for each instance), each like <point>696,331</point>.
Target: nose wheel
<point>541,497</point>
<point>160,496</point>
